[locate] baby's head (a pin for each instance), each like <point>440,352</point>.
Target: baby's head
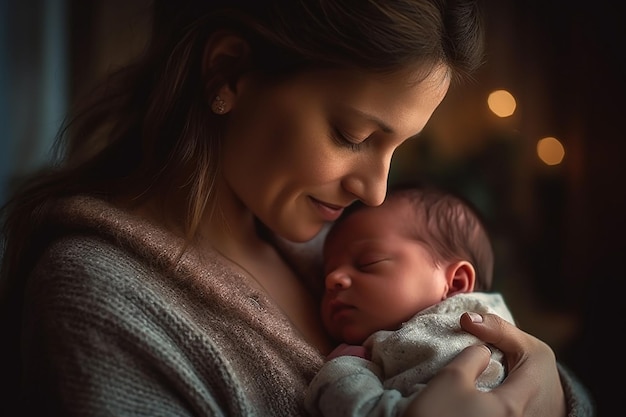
<point>449,226</point>
<point>384,264</point>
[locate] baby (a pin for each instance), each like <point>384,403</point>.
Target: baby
<point>398,278</point>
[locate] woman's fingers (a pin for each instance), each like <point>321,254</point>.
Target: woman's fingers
<point>514,342</point>
<point>496,331</point>
<point>452,392</point>
<point>492,329</point>
<point>533,386</point>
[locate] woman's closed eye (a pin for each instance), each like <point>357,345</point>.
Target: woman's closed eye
<point>345,139</point>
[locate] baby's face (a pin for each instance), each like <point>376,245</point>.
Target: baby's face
<point>377,277</point>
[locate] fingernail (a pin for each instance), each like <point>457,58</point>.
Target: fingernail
<point>476,318</point>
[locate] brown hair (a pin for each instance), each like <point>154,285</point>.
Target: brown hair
<point>450,227</point>
<point>147,129</point>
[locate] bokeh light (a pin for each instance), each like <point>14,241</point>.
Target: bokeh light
<point>501,103</point>
<point>550,150</point>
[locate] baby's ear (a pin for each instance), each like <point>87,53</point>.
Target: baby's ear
<point>460,277</point>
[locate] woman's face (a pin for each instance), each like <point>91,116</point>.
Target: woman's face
<point>295,154</point>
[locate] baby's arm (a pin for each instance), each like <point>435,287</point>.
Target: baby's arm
<point>351,386</point>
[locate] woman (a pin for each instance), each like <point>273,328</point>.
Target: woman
<point>152,263</point>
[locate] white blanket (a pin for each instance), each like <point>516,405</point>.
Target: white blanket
<point>403,361</point>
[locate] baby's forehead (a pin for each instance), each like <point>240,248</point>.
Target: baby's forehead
<point>365,214</point>
<point>392,216</point>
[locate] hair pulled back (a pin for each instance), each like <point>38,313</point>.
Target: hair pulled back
<point>147,130</point>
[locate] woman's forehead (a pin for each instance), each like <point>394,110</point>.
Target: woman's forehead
<point>394,101</point>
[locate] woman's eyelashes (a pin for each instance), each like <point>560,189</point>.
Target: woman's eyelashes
<point>344,139</point>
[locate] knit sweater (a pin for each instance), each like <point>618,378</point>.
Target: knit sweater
<point>116,324</point>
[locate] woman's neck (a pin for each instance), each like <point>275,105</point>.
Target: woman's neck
<point>267,270</point>
<point>232,230</point>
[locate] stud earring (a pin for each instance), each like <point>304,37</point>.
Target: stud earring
<point>218,106</point>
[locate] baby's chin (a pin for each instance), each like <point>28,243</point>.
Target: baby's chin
<point>351,336</point>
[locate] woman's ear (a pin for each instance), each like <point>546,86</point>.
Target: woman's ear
<point>460,277</point>
<point>225,58</point>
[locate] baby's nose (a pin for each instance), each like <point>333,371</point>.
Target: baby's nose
<point>337,280</point>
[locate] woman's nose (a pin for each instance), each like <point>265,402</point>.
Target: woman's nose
<point>368,182</point>
<point>337,280</point>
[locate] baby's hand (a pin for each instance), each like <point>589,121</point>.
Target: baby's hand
<point>348,350</point>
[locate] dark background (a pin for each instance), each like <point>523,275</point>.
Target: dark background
<point>559,231</point>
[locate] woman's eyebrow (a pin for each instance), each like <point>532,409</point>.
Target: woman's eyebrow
<point>369,117</point>
<point>364,115</point>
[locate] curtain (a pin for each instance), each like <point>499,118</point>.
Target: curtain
<point>33,84</point>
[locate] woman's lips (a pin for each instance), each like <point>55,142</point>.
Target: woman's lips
<point>329,212</point>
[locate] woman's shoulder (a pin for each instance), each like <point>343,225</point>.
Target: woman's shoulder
<point>85,256</point>
<point>89,269</point>
<point>94,239</point>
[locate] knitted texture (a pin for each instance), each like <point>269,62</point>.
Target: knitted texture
<point>404,360</point>
<point>116,326</point>
<point>579,400</point>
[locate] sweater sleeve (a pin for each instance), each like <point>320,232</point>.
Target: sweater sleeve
<point>579,401</point>
<point>96,341</point>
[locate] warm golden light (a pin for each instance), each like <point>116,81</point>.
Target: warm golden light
<point>502,103</point>
<point>550,151</point>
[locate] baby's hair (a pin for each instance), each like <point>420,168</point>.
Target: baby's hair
<point>449,225</point>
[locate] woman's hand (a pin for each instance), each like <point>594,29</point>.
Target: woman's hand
<point>532,387</point>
